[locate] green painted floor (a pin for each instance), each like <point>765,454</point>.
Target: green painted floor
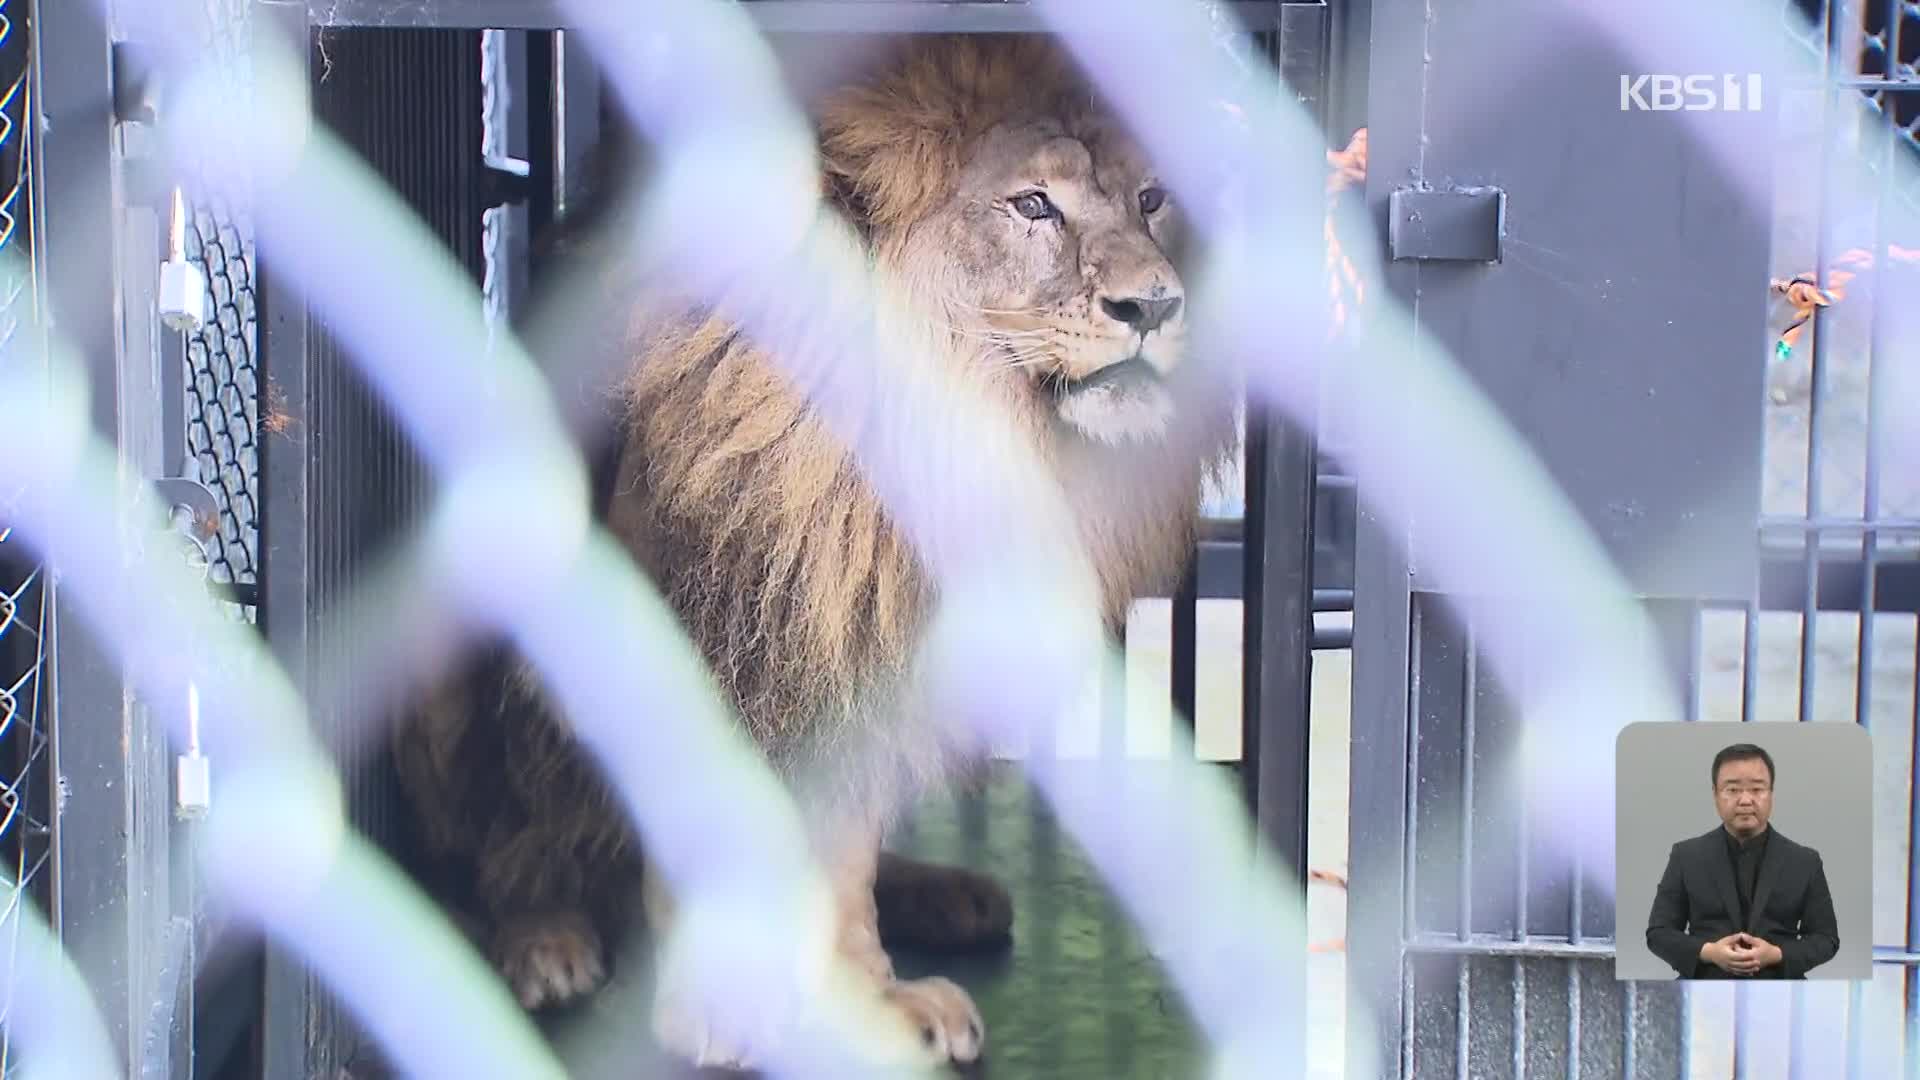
<point>1077,994</point>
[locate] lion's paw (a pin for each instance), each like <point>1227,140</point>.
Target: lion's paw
<point>550,959</point>
<point>916,1023</point>
<point>944,1016</point>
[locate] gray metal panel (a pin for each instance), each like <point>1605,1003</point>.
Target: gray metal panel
<point>1376,800</point>
<point>1624,333</point>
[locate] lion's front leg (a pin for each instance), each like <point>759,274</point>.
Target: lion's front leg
<point>941,1014</point>
<point>937,908</point>
<point>545,943</point>
<point>930,1021</point>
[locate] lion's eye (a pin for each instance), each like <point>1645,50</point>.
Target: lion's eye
<point>1034,206</point>
<point>1152,199</point>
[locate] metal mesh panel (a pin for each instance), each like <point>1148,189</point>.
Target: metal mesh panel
<point>24,777</point>
<point>223,395</point>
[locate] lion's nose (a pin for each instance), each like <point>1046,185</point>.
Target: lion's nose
<point>1143,314</point>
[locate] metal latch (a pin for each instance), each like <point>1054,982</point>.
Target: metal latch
<point>194,515</point>
<point>136,93</point>
<point>1460,225</point>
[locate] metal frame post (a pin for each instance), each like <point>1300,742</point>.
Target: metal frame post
<point>286,567</point>
<point>112,833</point>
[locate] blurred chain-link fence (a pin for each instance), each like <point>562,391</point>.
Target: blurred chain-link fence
<point>24,749</point>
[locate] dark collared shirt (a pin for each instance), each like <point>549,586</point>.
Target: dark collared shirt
<point>1746,857</point>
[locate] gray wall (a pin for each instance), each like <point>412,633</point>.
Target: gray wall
<point>1822,798</point>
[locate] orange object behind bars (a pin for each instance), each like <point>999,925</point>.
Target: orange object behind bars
<point>1804,293</point>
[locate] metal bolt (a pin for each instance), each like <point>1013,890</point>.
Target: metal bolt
<point>183,288</point>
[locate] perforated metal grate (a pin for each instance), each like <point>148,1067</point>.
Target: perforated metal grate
<point>224,400</point>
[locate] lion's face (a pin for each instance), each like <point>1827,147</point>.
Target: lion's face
<point>1061,238</point>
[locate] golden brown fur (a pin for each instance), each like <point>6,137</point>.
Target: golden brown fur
<point>760,527</point>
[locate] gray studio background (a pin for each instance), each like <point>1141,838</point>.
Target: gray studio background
<point>1822,798</point>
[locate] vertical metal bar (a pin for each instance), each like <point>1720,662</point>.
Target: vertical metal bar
<point>1910,980</point>
<point>510,132</point>
<point>1832,68</point>
<point>1468,716</point>
<point>1879,355</point>
<point>1628,1050</point>
<point>1797,1033</point>
<point>1691,685</point>
<point>1113,703</point>
<point>1386,633</point>
<point>1576,934</point>
<point>97,911</point>
<point>152,408</point>
<point>1573,1014</point>
<point>1686,647</point>
<point>1742,1026</point>
<point>1522,884</point>
<point>1347,69</point>
<point>289,417</point>
<point>1277,607</point>
<point>1411,809</point>
<point>1277,616</point>
<point>1186,645</point>
<point>1895,23</point>
<point>1750,659</point>
<point>1818,375</point>
<point>577,121</point>
<point>1573,981</point>
<point>1692,715</point>
<point>543,130</point>
<point>1519,1015</point>
<point>1463,1032</point>
<point>1277,610</point>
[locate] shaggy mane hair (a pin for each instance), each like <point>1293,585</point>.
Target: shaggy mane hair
<point>769,542</point>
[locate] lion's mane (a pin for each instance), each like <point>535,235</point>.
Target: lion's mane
<point>762,532</point>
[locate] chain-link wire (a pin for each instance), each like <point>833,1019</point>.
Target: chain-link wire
<point>25,780</point>
<point>224,396</point>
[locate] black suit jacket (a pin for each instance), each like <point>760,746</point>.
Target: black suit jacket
<point>1697,902</point>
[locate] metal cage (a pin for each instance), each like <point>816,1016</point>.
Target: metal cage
<point>500,110</point>
<point>479,113</point>
<point>1813,562</point>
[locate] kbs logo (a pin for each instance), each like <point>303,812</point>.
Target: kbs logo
<point>1693,93</point>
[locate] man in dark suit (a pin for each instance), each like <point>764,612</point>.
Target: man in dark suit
<point>1743,901</point>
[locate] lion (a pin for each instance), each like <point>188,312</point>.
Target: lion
<point>989,182</point>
